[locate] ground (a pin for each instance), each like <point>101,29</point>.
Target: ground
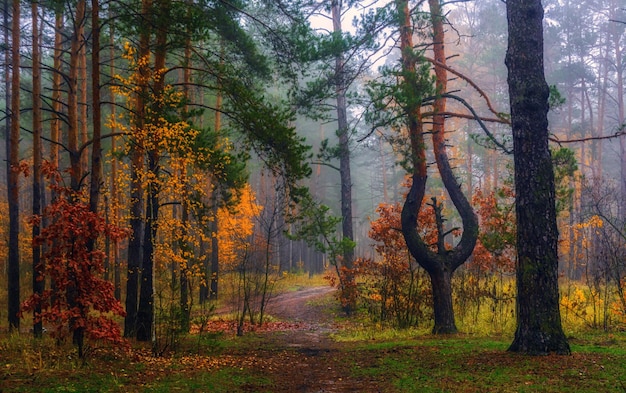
<point>296,353</point>
<point>307,360</point>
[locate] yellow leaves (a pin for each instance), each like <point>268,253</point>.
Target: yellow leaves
<point>237,225</point>
<point>593,222</point>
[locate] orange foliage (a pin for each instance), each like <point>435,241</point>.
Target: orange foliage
<point>236,225</point>
<point>495,248</point>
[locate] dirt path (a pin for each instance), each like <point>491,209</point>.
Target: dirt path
<point>306,359</point>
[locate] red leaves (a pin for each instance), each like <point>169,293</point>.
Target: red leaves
<point>495,249</point>
<point>79,299</point>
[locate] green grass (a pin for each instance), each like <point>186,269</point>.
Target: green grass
<point>481,364</point>
<point>396,360</point>
<point>409,362</point>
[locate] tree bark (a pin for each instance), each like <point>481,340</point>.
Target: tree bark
<point>344,161</point>
<point>215,253</point>
<point>440,265</point>
<point>13,175</point>
<point>539,328</point>
<point>136,188</point>
<point>215,243</point>
<point>145,310</point>
<point>96,147</point>
<point>441,284</point>
<point>38,281</point>
<point>77,41</point>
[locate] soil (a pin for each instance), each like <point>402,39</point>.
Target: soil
<point>303,358</point>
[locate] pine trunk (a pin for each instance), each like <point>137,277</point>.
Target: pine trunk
<point>344,166</point>
<point>539,328</point>
<point>136,187</point>
<point>13,175</point>
<point>441,283</point>
<point>440,265</point>
<point>38,281</point>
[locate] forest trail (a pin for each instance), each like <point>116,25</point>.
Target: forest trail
<point>303,358</point>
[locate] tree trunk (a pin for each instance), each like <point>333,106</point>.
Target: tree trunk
<point>215,243</point>
<point>83,99</point>
<point>38,281</point>
<point>440,265</point>
<point>136,188</point>
<point>539,328</point>
<point>113,177</point>
<point>77,41</point>
<point>621,116</point>
<point>55,124</point>
<point>215,254</point>
<point>344,163</point>
<point>441,284</point>
<point>13,175</point>
<point>145,311</point>
<point>96,147</point>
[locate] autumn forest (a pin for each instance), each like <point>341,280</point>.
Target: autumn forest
<point>174,169</point>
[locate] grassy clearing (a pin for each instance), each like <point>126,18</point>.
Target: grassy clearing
<point>422,363</point>
<point>479,364</point>
<point>394,360</point>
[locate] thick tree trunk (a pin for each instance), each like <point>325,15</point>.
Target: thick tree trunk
<point>13,175</point>
<point>539,328</point>
<point>441,283</point>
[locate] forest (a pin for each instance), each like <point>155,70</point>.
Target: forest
<point>175,169</point>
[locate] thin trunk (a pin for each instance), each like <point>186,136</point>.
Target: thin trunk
<point>185,307</point>
<point>215,254</point>
<point>113,177</point>
<point>186,246</point>
<point>136,187</point>
<point>344,163</point>
<point>96,152</point>
<point>38,281</point>
<point>215,265</point>
<point>621,116</point>
<point>83,98</point>
<point>596,160</point>
<point>55,124</point>
<point>72,97</point>
<point>76,170</point>
<point>145,310</point>
<point>13,175</point>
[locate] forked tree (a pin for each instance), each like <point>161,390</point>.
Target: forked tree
<point>441,262</point>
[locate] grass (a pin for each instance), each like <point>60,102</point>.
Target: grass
<point>392,360</point>
<point>481,364</point>
<point>400,361</point>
